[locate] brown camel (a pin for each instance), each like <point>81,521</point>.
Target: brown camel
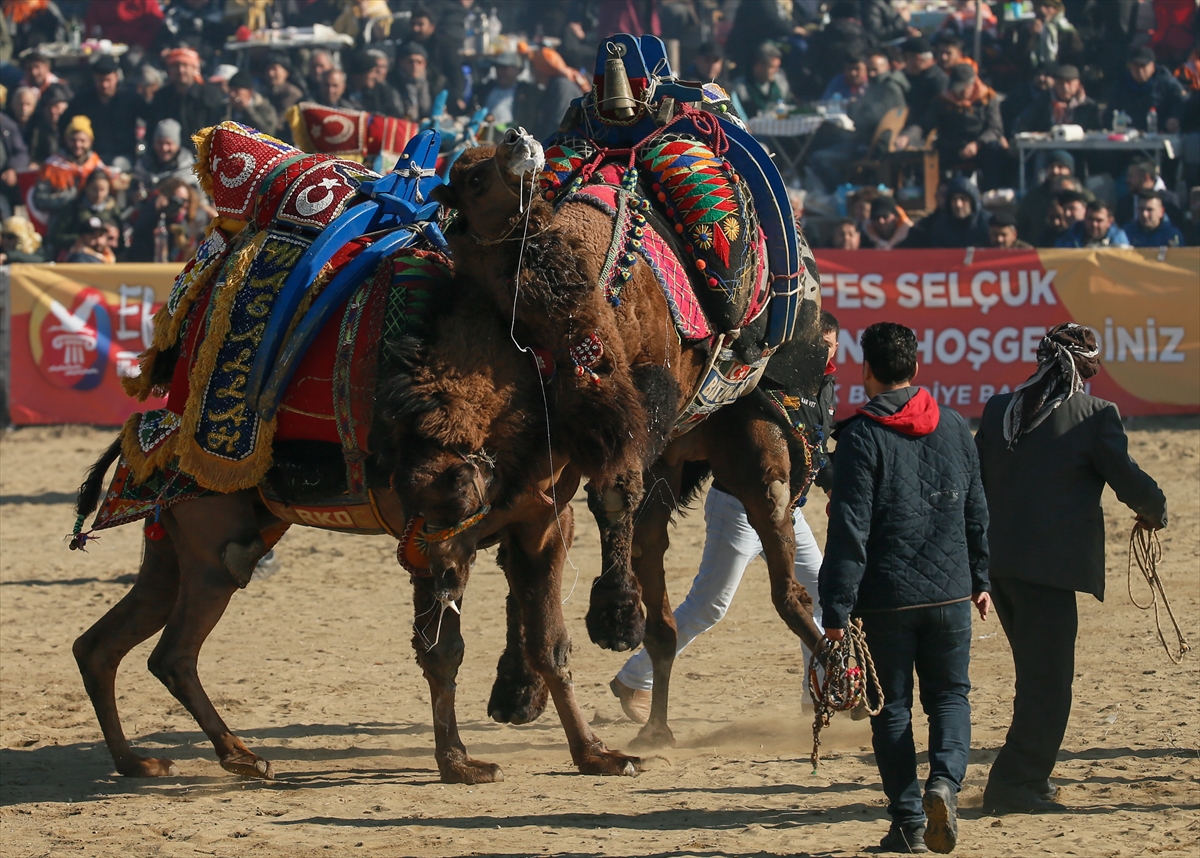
<point>212,543</point>
<point>613,416</point>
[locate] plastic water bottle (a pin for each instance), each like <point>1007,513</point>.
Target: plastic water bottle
<point>1152,121</point>
<point>781,109</point>
<point>1120,121</point>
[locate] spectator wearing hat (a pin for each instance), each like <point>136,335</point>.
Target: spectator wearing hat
<point>961,221</point>
<point>92,244</point>
<point>164,159</point>
<point>764,85</point>
<point>1145,85</point>
<point>1020,96</point>
<point>45,135</point>
<point>504,96</point>
<point>63,175</point>
<point>186,98</point>
<point>331,90</point>
<point>279,89</point>
<point>1031,212</point>
<point>250,107</point>
<point>888,225</point>
<point>1097,229</point>
<point>1142,176</point>
<point>926,81</point>
<point>1065,103</point>
<point>708,65</point>
<point>113,110</point>
<point>1152,227</point>
<point>36,66</point>
<point>1052,38</point>
<point>442,55</point>
<point>967,118</point>
<point>417,85</point>
<point>1002,233</point>
<point>367,91</point>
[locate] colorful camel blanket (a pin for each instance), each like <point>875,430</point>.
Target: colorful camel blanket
<point>352,134</point>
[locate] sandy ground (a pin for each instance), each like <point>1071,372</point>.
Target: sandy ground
<point>313,669</point>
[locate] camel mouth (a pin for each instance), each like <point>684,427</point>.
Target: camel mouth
<point>522,153</point>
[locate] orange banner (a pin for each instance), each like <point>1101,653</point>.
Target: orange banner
<point>75,331</point>
<point>980,314</point>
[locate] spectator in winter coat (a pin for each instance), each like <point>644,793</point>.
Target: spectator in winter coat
<point>415,84</point>
<point>1052,39</point>
<point>1031,211</point>
<point>22,107</point>
<point>112,109</point>
<point>442,54</point>
<point>92,244</point>
<point>164,159</point>
<point>883,22</point>
<point>888,226</point>
<point>907,554</point>
<point>36,66</point>
<point>967,118</point>
<point>1097,229</point>
<point>14,158</point>
<point>960,222</point>
<point>250,107</point>
<point>1142,175</point>
<point>765,85</point>
<point>63,175</point>
<point>1146,85</point>
<point>926,81</point>
<point>1065,103</point>
<point>44,133</point>
<point>369,93</point>
<point>331,91</point>
<point>319,62</point>
<point>69,223</point>
<point>1046,452</point>
<point>1152,228</point>
<point>1018,98</point>
<point>280,90</point>
<point>186,98</point>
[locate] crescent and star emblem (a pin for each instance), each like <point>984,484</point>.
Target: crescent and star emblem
<point>248,165</point>
<point>347,128</point>
<point>305,204</point>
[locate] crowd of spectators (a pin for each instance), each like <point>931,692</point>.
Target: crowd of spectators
<point>109,133</point>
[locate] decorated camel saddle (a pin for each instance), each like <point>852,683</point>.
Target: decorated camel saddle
<point>269,344</point>
<point>355,135</point>
<point>646,146</point>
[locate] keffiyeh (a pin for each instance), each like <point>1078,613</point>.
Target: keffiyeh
<point>1066,356</point>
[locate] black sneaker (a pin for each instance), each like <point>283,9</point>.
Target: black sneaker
<point>941,817</point>
<point>907,840</point>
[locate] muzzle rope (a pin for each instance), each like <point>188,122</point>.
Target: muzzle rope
<point>1146,550</point>
<point>850,681</point>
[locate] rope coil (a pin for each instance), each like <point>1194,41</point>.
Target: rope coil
<point>1146,550</point>
<point>850,681</point>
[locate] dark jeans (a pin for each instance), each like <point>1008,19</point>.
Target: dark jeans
<point>1040,624</point>
<point>937,641</point>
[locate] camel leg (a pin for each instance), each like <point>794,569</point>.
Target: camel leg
<point>219,542</point>
<point>615,619</point>
<point>519,694</point>
<point>533,564</point>
<point>749,456</point>
<point>437,639</point>
<point>99,651</point>
<point>662,638</point>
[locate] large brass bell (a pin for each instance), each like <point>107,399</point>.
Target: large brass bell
<point>618,97</point>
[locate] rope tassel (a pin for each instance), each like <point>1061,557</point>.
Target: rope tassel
<point>850,681</point>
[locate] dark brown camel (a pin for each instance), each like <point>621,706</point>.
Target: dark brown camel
<point>188,577</point>
<point>614,421</point>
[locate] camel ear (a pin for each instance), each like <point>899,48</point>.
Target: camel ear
<point>445,195</point>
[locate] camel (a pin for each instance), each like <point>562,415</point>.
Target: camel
<point>613,414</point>
<point>439,450</point>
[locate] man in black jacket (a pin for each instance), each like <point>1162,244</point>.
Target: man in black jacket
<point>186,98</point>
<point>113,109</point>
<point>907,553</point>
<point>1047,450</point>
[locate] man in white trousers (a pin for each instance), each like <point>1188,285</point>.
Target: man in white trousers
<point>730,544</point>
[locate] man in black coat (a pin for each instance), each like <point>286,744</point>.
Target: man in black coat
<point>1047,450</point>
<point>1065,103</point>
<point>113,109</point>
<point>907,553</point>
<point>186,98</point>
<point>1146,84</point>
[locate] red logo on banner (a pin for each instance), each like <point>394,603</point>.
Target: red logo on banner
<point>70,344</point>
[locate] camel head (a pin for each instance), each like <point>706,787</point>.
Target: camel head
<point>493,188</point>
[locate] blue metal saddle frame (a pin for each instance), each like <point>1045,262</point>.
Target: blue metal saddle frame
<point>646,57</point>
<point>397,205</point>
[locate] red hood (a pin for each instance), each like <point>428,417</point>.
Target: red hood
<point>919,416</point>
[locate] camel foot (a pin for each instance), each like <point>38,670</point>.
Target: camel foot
<point>248,765</point>
<point>147,767</point>
<point>599,760</point>
<point>515,701</point>
<point>615,619</point>
<point>458,768</point>
<point>653,736</point>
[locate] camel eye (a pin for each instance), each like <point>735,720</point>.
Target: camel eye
<point>475,180</point>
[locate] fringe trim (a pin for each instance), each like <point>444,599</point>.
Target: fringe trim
<point>141,466</point>
<point>203,142</point>
<point>139,386</point>
<point>214,473</point>
<point>300,135</point>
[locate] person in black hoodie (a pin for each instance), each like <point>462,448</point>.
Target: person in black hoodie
<point>960,221</point>
<point>907,553</point>
<point>883,22</point>
<point>842,39</point>
<point>1047,450</point>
